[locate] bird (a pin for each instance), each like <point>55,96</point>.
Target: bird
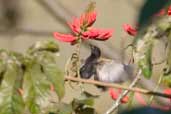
<point>104,69</point>
<point>111,71</point>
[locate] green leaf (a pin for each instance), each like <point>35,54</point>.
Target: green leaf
<point>83,106</point>
<point>45,53</point>
<point>86,110</point>
<point>76,103</point>
<point>11,100</point>
<point>143,53</point>
<point>88,101</point>
<point>145,64</point>
<point>56,77</point>
<point>150,8</point>
<point>86,94</point>
<point>49,45</point>
<point>36,88</point>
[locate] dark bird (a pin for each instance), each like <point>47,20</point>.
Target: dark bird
<point>105,70</point>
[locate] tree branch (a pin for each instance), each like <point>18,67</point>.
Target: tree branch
<point>134,89</point>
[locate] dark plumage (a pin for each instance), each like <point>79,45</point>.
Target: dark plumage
<point>89,68</point>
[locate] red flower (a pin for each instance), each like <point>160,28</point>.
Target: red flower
<point>64,37</point>
<point>85,20</point>
<point>81,29</point>
<point>129,29</point>
<point>169,11</point>
<point>114,95</point>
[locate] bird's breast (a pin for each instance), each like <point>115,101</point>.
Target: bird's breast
<point>111,72</point>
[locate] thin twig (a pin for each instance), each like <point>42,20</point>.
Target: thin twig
<point>117,103</point>
<point>134,89</point>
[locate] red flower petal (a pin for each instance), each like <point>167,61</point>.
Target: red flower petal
<point>105,34</point>
<point>169,11</point>
<point>125,99</point>
<point>75,25</point>
<point>91,18</point>
<point>64,37</point>
<point>91,33</point>
<point>88,18</point>
<point>98,34</point>
<point>114,95</point>
<point>129,29</point>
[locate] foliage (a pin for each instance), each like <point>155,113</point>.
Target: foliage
<point>26,80</point>
<point>150,32</point>
<point>159,30</point>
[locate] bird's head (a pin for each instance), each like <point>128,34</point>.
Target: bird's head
<point>95,52</point>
